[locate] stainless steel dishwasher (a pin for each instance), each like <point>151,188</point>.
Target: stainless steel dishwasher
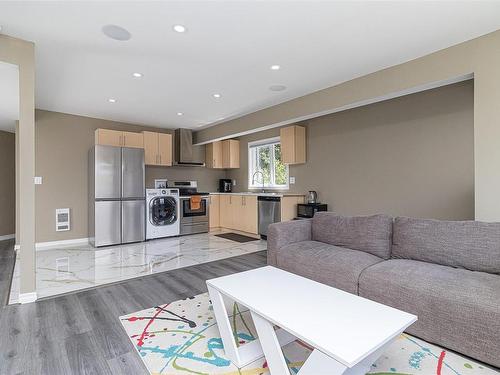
<point>269,212</point>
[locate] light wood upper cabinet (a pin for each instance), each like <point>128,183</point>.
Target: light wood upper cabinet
<point>157,149</point>
<point>223,154</point>
<point>107,137</point>
<point>213,155</point>
<point>293,144</point>
<point>165,149</point>
<point>150,148</point>
<point>135,140</point>
<point>230,153</point>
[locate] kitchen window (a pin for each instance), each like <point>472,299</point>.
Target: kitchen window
<point>265,169</point>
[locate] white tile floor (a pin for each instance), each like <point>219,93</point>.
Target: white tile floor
<point>62,270</point>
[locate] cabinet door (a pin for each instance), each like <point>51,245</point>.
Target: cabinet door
<point>225,216</point>
<point>293,144</point>
<point>107,137</point>
<point>287,136</point>
<point>214,211</point>
<point>151,148</point>
<point>250,214</point>
<point>213,155</point>
<point>135,140</point>
<point>238,213</point>
<point>165,149</point>
<point>231,153</point>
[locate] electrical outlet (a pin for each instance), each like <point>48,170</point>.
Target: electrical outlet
<point>292,180</point>
<point>38,180</point>
<point>234,182</point>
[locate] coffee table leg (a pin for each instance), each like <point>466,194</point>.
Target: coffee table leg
<point>224,325</point>
<point>317,363</point>
<point>270,346</point>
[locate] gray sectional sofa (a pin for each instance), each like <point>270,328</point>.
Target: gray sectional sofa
<point>446,272</point>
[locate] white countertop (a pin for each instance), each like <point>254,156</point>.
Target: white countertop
<point>267,194</point>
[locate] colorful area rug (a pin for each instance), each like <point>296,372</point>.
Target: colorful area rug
<point>182,338</point>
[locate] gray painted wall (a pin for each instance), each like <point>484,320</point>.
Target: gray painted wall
<point>62,144</point>
<point>7,183</point>
<point>407,156</point>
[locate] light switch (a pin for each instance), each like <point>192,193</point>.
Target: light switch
<point>292,180</point>
<point>234,182</point>
<point>38,180</point>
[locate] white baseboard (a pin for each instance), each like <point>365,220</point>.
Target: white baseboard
<point>7,237</point>
<point>27,297</point>
<point>52,244</point>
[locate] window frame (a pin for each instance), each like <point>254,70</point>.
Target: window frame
<point>251,170</point>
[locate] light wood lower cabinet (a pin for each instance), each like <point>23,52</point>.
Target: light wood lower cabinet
<point>226,211</point>
<point>289,207</point>
<point>214,211</point>
<point>241,212</point>
<point>249,214</point>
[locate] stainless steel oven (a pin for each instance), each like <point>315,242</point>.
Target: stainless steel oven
<point>194,220</point>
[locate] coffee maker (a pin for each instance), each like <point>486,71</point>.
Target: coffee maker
<point>225,185</point>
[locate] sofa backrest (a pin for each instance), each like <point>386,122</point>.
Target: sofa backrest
<point>371,234</point>
<point>472,245</point>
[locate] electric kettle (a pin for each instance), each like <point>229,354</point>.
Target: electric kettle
<point>312,197</point>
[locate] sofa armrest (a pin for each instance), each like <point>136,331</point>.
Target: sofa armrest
<point>285,233</point>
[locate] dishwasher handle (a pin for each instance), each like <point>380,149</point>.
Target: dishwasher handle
<point>269,199</point>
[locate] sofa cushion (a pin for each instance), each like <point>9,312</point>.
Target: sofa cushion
<point>372,234</point>
<point>472,245</point>
<point>456,308</point>
<point>327,264</point>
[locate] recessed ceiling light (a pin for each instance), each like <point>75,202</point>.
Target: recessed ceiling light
<point>137,75</point>
<point>275,67</point>
<point>217,96</point>
<point>277,88</point>
<point>179,113</point>
<point>116,32</point>
<point>111,100</point>
<point>180,28</point>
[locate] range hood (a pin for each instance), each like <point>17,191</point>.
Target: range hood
<point>185,152</point>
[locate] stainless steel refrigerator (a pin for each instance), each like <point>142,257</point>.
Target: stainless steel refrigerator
<point>116,195</point>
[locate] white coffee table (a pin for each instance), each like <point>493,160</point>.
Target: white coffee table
<point>348,332</point>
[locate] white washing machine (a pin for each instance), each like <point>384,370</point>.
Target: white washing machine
<point>162,213</point>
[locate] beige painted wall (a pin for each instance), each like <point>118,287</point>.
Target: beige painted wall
<point>7,183</point>
<point>480,57</point>
<point>22,53</point>
<point>407,156</point>
<point>62,144</point>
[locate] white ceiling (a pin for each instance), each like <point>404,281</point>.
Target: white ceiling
<point>9,96</point>
<point>228,49</point>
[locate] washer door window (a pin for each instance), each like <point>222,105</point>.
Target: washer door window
<point>162,211</point>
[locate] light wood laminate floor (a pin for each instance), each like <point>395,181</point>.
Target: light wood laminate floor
<point>80,333</point>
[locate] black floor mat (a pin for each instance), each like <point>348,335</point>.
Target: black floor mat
<point>236,237</point>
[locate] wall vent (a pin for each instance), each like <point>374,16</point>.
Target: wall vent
<point>62,219</point>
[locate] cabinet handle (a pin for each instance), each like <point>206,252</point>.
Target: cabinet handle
<point>230,199</point>
<point>160,158</point>
<point>244,201</point>
<point>157,162</point>
<point>124,140</point>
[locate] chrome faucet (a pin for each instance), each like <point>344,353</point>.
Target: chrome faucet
<point>253,180</point>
